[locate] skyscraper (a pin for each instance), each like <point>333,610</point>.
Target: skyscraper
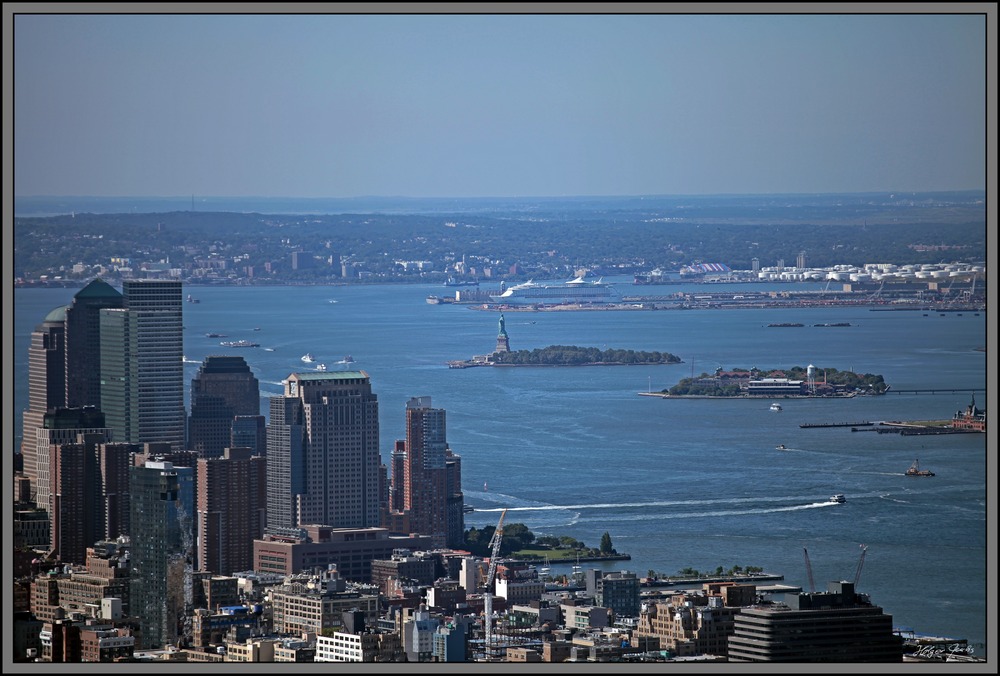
<point>64,365</point>
<point>46,382</point>
<point>322,453</point>
<point>89,494</point>
<point>61,426</point>
<point>430,482</point>
<point>162,510</point>
<point>230,510</point>
<point>83,342</point>
<point>142,372</point>
<point>250,431</point>
<point>286,457</point>
<point>223,388</point>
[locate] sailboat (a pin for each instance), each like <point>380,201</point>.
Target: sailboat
<point>546,567</point>
<point>485,486</point>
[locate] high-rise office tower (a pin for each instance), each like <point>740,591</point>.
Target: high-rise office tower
<point>142,372</point>
<point>46,382</point>
<point>286,456</point>
<point>323,441</point>
<point>398,464</point>
<point>455,504</point>
<point>430,495</point>
<point>64,363</point>
<point>223,388</point>
<point>250,431</point>
<point>162,515</point>
<point>83,342</point>
<point>230,510</point>
<point>62,426</point>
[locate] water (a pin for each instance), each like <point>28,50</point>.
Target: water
<point>699,483</point>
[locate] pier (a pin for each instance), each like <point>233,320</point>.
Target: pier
<point>936,390</point>
<point>863,423</point>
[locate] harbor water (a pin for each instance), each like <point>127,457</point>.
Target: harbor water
<point>682,483</point>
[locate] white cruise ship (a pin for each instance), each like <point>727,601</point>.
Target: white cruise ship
<point>571,292</point>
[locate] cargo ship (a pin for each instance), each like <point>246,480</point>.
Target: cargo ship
<point>239,343</point>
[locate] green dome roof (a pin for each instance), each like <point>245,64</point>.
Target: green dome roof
<point>57,315</point>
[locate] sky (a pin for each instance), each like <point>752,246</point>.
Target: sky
<point>451,105</point>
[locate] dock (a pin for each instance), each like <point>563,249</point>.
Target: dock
<point>863,423</point>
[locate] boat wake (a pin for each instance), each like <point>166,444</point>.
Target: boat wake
<point>641,505</point>
<point>708,514</point>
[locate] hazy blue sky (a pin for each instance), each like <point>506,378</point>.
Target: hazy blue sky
<point>445,105</point>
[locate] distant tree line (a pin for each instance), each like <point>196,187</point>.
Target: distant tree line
<point>628,237</point>
<point>517,537</point>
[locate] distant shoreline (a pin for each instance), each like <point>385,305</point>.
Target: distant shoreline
<point>756,397</point>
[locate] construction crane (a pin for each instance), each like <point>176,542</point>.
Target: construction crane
<point>809,570</point>
<point>490,577</point>
<point>861,563</point>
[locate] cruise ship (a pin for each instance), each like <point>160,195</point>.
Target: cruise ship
<point>571,292</point>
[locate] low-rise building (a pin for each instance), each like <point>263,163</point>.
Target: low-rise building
<point>352,550</point>
<point>838,625</point>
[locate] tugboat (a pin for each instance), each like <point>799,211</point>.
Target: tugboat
<point>916,471</point>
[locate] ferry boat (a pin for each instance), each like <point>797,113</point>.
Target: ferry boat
<point>239,343</point>
<point>308,358</point>
<point>776,406</point>
<point>575,291</point>
<point>839,497</point>
<point>916,471</point>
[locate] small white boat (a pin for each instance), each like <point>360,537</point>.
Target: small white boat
<point>320,367</point>
<point>776,406</point>
<point>307,357</point>
<point>839,497</point>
